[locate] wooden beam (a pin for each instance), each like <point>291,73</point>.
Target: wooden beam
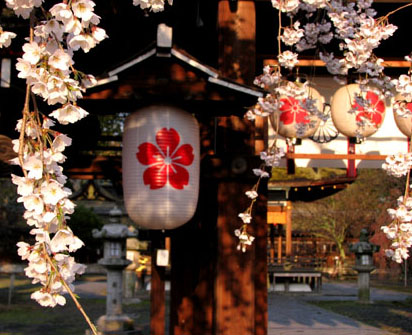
<point>336,156</point>
<point>320,63</point>
<point>289,228</point>
<point>230,106</point>
<point>380,1</point>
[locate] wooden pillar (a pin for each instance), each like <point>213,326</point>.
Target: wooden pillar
<point>157,289</point>
<point>261,134</point>
<point>351,170</point>
<point>241,282</point>
<point>288,228</point>
<point>260,262</point>
<point>234,282</point>
<point>290,162</point>
<point>241,278</point>
<point>237,35</point>
<point>193,254</point>
<point>280,248</point>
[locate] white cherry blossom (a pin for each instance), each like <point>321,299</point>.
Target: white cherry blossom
<point>285,5</point>
<point>52,192</point>
<point>292,35</point>
<point>35,167</point>
<point>69,114</point>
<point>60,60</point>
<point>153,5</point>
<point>32,52</point>
<point>252,194</point>
<point>246,217</point>
<point>25,186</point>
<point>24,250</point>
<point>23,8</point>
<point>61,12</point>
<point>288,59</point>
<point>83,9</point>
<point>5,38</point>
<point>261,173</point>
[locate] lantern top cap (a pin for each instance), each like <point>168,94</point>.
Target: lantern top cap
<point>115,212</point>
<point>364,246</point>
<point>114,231</point>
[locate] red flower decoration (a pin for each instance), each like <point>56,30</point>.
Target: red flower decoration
<point>378,107</point>
<point>292,111</point>
<point>165,160</point>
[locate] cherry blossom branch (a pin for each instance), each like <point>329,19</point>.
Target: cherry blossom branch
<point>25,115</point>
<point>70,292</point>
<point>279,31</point>
<point>396,10</point>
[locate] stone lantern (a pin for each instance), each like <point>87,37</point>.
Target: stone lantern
<point>114,260</point>
<point>364,263</point>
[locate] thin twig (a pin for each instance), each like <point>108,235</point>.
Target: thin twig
<point>25,113</point>
<point>396,10</point>
<point>279,30</point>
<point>408,176</point>
<point>78,305</point>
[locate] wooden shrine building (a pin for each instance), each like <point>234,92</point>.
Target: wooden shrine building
<point>201,56</point>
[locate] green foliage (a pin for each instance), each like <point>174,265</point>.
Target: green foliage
<point>82,222</point>
<point>306,173</point>
<point>345,213</point>
<point>12,225</point>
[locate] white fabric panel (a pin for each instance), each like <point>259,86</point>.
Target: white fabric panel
<point>158,204</point>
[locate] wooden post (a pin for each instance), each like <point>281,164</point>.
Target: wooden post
<point>234,283</point>
<point>288,228</point>
<point>351,170</point>
<point>193,254</point>
<point>11,288</point>
<point>237,35</point>
<point>280,249</point>
<point>290,162</point>
<point>157,289</point>
<point>261,134</point>
<point>260,262</point>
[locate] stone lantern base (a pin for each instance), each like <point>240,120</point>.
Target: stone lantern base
<point>364,282</point>
<point>116,325</point>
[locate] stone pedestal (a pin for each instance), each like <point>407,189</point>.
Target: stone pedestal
<point>364,282</point>
<point>115,325</point>
<point>364,264</point>
<point>129,285</point>
<point>114,260</point>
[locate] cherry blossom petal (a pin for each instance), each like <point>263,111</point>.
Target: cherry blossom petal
<point>286,117</point>
<point>167,140</point>
<point>148,154</point>
<point>184,155</point>
<point>178,176</point>
<point>155,176</point>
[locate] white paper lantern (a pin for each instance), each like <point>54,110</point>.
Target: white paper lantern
<point>347,113</point>
<point>292,115</point>
<point>161,166</point>
<point>404,123</point>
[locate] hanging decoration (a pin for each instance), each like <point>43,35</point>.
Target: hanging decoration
<point>357,111</point>
<point>298,118</point>
<point>161,167</point>
<point>402,112</point>
<point>326,132</point>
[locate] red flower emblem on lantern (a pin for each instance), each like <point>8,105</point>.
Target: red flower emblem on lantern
<point>166,160</point>
<point>374,112</point>
<point>292,111</point>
